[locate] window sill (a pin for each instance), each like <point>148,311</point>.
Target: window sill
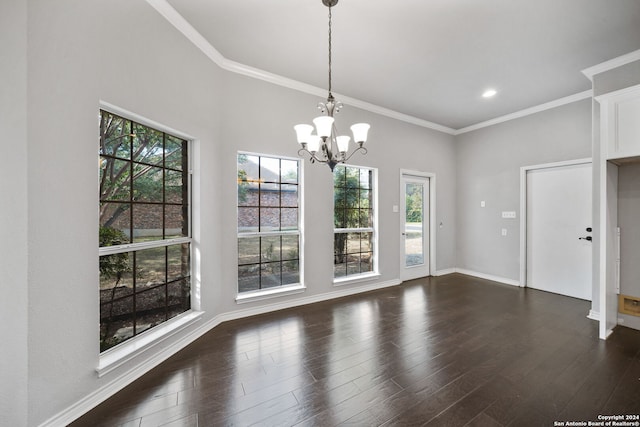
<point>252,296</point>
<point>355,279</point>
<point>120,354</point>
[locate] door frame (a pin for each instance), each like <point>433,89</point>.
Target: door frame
<point>523,207</point>
<point>432,217</point>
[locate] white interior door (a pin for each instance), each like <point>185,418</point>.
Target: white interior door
<point>558,234</point>
<point>414,226</point>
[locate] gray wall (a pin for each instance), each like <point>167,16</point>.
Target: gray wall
<point>81,52</point>
<point>389,143</point>
<point>13,214</point>
<point>488,168</point>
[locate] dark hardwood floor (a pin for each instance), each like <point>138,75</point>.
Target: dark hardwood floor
<point>447,351</point>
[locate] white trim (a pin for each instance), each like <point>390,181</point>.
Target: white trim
<point>618,95</point>
<point>488,277</point>
<point>602,226</point>
<point>92,400</point>
<point>270,293</point>
<point>528,111</point>
<point>611,64</point>
<point>348,280</point>
<point>139,246</point>
<point>122,353</point>
<point>523,207</point>
<point>593,315</point>
<point>444,272</point>
<point>142,120</point>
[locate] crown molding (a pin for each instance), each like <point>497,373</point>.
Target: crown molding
<point>611,64</point>
<point>528,111</point>
<point>181,24</point>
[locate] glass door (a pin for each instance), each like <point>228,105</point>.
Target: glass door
<point>414,227</point>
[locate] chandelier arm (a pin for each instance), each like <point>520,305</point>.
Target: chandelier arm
<point>364,151</point>
<point>312,156</point>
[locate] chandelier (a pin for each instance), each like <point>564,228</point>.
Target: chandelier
<point>326,146</point>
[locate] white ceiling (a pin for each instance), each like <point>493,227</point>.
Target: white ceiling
<point>430,59</point>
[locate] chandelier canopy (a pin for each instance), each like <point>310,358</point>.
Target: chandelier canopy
<point>326,146</point>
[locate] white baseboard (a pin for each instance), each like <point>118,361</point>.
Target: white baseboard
<point>445,271</point>
<point>488,277</point>
<point>632,322</point>
<point>593,315</point>
<point>92,400</point>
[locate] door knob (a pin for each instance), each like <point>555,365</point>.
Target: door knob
<point>589,238</point>
<point>589,229</point>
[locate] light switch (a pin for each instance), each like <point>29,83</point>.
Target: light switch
<point>395,208</point>
<point>504,231</point>
<point>482,204</point>
<point>509,214</point>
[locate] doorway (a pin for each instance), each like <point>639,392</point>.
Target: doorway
<point>558,228</point>
<point>415,225</point>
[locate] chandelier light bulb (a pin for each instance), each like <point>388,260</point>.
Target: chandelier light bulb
<point>314,143</point>
<point>360,131</point>
<point>343,143</point>
<point>303,132</point>
<point>323,126</point>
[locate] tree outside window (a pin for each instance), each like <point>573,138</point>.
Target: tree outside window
<point>353,221</point>
<point>144,235</point>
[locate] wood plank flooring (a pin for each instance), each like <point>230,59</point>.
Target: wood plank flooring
<point>447,351</point>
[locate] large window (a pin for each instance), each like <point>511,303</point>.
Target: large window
<point>145,244</point>
<point>354,232</point>
<point>268,222</point>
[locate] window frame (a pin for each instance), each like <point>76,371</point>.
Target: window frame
<point>373,229</point>
<point>118,354</point>
<point>282,290</point>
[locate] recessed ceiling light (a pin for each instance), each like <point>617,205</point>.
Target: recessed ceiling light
<point>489,93</point>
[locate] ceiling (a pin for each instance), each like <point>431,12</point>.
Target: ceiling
<point>429,59</point>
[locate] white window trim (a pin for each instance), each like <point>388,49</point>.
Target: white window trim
<point>363,277</point>
<point>356,278</point>
<point>290,289</point>
<point>269,293</point>
<point>135,247</point>
<point>116,356</point>
<point>120,354</point>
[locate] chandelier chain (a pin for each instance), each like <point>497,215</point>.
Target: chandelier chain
<point>326,146</point>
<point>330,95</point>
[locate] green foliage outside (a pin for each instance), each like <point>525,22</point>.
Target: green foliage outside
<point>131,166</point>
<point>351,206</point>
<point>414,203</point>
<point>113,266</point>
<point>243,182</point>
